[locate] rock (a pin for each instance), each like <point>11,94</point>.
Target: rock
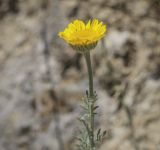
<point>115,41</point>
<point>42,80</point>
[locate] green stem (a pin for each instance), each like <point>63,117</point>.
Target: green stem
<point>90,74</point>
<point>91,99</point>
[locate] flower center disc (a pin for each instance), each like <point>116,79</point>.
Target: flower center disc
<point>84,34</point>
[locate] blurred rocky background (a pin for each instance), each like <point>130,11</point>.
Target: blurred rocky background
<point>42,79</point>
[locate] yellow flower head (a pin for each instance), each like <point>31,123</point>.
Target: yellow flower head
<point>83,37</point>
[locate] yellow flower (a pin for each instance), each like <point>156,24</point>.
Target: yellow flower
<point>83,37</point>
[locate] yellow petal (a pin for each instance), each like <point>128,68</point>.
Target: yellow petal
<point>77,33</point>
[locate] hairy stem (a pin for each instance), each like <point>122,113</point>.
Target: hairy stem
<point>91,100</point>
<point>90,74</point>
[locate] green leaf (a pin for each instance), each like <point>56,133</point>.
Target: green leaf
<point>95,107</point>
<point>104,133</point>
